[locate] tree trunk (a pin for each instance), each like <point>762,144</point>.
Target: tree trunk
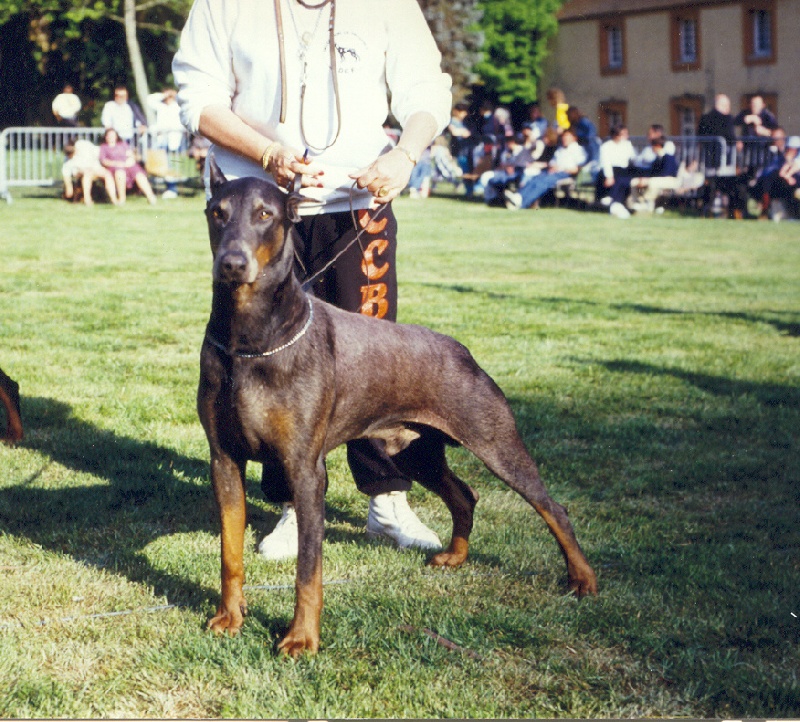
<point>135,54</point>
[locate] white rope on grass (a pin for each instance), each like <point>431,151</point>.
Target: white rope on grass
<point>150,610</point>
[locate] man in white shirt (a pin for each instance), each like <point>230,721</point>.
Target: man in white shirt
<point>119,115</point>
<point>566,163</point>
<point>66,106</point>
<point>168,128</point>
<point>614,181</point>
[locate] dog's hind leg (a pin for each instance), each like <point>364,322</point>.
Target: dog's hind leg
<point>503,452</point>
<point>227,478</point>
<point>424,461</point>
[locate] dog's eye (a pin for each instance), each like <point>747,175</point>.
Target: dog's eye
<point>264,215</point>
<point>217,214</point>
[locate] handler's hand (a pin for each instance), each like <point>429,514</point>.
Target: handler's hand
<point>286,164</point>
<point>386,177</point>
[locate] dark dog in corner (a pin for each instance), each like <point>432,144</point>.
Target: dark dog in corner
<point>9,397</point>
<point>280,383</point>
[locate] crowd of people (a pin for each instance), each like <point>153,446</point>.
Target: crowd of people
<point>483,153</point>
<point>114,161</point>
<point>521,167</point>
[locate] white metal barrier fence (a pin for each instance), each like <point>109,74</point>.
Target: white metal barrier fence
<point>33,156</point>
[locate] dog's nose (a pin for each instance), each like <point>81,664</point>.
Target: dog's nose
<point>233,265</point>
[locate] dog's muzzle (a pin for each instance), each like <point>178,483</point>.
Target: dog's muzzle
<point>233,266</point>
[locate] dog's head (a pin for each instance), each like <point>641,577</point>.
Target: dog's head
<point>249,226</point>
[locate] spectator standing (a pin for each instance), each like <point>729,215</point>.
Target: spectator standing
<point>462,140</point>
<point>775,160</point>
<point>717,126</point>
<point>123,116</point>
<point>756,124</point>
<point>66,106</point>
<point>558,101</point>
<point>167,129</point>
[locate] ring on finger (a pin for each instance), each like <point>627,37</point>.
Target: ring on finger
<point>383,192</point>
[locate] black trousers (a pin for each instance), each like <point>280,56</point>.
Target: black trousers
<point>362,280</point>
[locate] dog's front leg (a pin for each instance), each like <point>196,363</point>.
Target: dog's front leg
<point>227,478</point>
<point>309,502</point>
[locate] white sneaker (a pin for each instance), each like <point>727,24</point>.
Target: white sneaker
<point>391,516</point>
<point>619,211</point>
<point>513,200</point>
<point>605,201</point>
<point>169,195</point>
<point>282,542</point>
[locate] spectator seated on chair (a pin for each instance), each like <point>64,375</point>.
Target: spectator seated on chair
<point>566,163</point>
<point>514,159</point>
<point>83,164</point>
<point>613,184</point>
<point>118,157</point>
<point>157,166</point>
<point>781,195</point>
<point>661,177</point>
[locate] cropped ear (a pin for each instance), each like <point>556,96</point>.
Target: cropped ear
<point>293,201</point>
<point>216,176</point>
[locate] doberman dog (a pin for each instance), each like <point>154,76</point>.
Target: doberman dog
<point>283,382</point>
<point>9,397</point>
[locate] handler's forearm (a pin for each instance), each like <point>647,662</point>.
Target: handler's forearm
<point>226,129</point>
<point>418,133</point>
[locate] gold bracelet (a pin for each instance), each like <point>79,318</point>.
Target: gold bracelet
<point>266,157</point>
<point>414,160</point>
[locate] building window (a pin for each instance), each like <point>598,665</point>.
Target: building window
<point>686,40</point>
<point>685,114</point>
<point>759,32</point>
<point>612,46</point>
<point>611,113</point>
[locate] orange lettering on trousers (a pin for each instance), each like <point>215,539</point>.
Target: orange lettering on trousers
<point>370,226</point>
<point>371,271</point>
<point>373,300</point>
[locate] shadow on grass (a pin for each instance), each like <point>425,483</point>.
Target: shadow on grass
<point>152,491</point>
<point>766,394</point>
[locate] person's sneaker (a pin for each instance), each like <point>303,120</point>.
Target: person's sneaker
<point>619,211</point>
<point>605,201</point>
<point>169,194</point>
<point>513,200</point>
<point>390,516</point>
<point>282,542</point>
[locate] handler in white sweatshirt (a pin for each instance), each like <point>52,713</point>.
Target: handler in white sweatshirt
<point>286,88</point>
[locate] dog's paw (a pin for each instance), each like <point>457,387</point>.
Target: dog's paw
<point>293,644</point>
<point>227,621</point>
<point>583,584</point>
<point>454,556</point>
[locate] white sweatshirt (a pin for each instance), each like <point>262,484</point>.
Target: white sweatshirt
<point>229,55</point>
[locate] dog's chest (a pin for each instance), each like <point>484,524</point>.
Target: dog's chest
<point>265,420</point>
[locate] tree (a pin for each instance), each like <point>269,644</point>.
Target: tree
<point>455,25</point>
<point>516,35</point>
<point>70,37</point>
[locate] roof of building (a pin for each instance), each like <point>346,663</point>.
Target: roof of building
<point>574,10</point>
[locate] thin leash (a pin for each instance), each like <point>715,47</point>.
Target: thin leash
<point>309,281</point>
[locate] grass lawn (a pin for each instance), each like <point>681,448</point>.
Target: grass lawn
<point>654,369</point>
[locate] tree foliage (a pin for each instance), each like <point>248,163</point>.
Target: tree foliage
<point>47,43</point>
<point>516,35</point>
<point>455,25</point>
